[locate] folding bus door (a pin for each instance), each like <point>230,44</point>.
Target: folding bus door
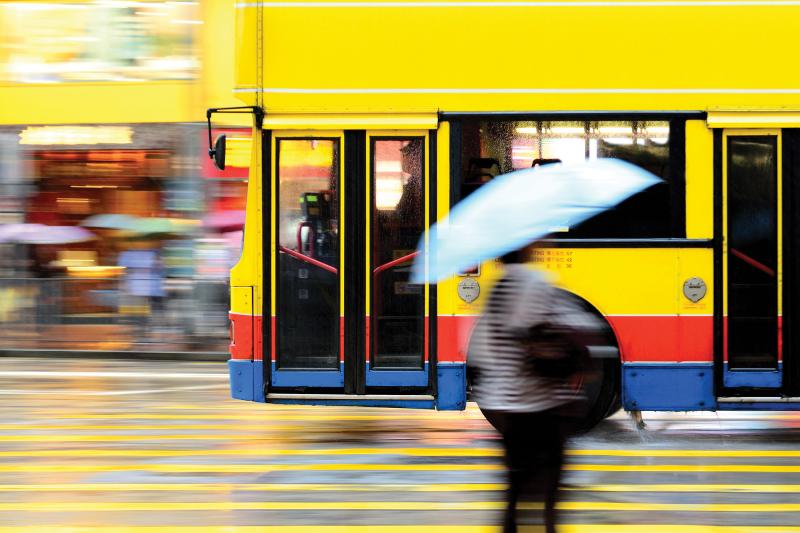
<point>307,219</point>
<point>397,310</point>
<point>348,211</point>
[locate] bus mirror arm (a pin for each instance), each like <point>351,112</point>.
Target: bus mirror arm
<point>216,150</point>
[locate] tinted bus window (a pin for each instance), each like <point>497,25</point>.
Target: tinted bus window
<point>752,238</point>
<point>308,253</point>
<point>398,219</point>
<point>490,148</point>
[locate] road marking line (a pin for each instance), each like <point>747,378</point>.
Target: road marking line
<point>563,528</point>
<point>245,452</point>
<point>684,453</point>
<point>377,487</point>
<point>671,487</point>
<point>264,418</point>
<point>683,468</point>
<point>95,506</point>
<point>253,468</point>
<point>252,487</point>
<point>71,392</point>
<point>81,374</point>
<point>414,452</point>
<point>240,468</point>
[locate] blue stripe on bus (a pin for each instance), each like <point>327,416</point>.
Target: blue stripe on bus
<point>757,377</point>
<point>308,378</point>
<point>451,388</point>
<point>759,406</point>
<point>247,383</point>
<point>246,380</point>
<point>668,387</point>
<point>397,378</point>
<point>409,404</point>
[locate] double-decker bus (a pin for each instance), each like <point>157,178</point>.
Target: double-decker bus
<point>373,118</point>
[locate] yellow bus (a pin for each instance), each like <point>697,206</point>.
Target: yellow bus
<point>373,118</point>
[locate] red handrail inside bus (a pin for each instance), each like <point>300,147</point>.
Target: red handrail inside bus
<point>309,260</point>
<point>752,262</point>
<point>398,261</point>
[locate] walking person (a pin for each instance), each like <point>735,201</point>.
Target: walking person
<point>526,407</point>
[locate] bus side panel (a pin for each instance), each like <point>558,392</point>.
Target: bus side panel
<point>693,58</point>
<point>246,366</point>
<point>666,341</point>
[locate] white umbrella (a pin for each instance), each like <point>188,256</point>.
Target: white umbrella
<point>515,209</point>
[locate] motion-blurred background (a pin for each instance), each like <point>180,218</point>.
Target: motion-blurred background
<point>116,231</point>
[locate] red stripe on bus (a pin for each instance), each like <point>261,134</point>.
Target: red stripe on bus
<point>273,339</point>
<point>664,338</point>
<point>453,337</point>
<point>341,339</point>
<point>367,339</point>
<point>641,338</point>
<point>258,338</point>
<point>241,333</point>
<point>426,338</point>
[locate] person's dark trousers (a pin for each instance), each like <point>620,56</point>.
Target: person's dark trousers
<point>534,453</point>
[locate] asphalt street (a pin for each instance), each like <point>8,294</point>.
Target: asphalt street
<point>92,445</point>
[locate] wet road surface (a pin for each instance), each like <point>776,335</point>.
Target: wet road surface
<point>90,445</point>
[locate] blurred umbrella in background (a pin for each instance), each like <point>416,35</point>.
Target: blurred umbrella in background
<point>109,221</point>
<point>159,228</point>
<point>12,232</point>
<point>42,234</point>
<point>225,221</point>
<point>515,209</point>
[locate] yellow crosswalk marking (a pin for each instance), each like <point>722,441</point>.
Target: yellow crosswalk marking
<point>683,468</point>
<point>127,438</point>
<point>256,452</point>
<point>379,487</point>
<point>683,453</point>
<point>686,487</point>
<point>567,528</point>
<point>230,468</point>
<point>222,468</point>
<point>95,506</point>
<point>264,418</point>
<point>418,452</point>
<point>256,487</point>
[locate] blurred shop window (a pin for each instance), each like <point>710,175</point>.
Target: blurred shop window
<point>496,147</point>
<point>83,42</point>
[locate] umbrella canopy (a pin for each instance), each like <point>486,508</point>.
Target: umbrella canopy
<point>225,221</point>
<point>13,232</point>
<point>109,221</point>
<point>41,234</point>
<point>158,226</point>
<point>515,209</point>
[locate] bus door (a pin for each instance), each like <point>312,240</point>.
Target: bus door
<point>752,267</point>
<point>348,212</point>
<point>397,311</point>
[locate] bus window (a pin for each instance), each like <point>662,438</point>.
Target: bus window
<point>516,145</point>
<point>308,254</point>
<point>752,233</point>
<point>398,219</point>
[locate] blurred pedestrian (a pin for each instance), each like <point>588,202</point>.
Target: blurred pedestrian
<point>520,373</point>
<point>144,286</point>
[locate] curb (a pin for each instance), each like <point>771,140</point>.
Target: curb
<point>102,354</point>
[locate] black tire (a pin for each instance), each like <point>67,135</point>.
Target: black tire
<point>601,387</point>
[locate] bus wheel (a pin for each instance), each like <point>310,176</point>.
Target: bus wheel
<point>601,387</point>
<point>601,393</point>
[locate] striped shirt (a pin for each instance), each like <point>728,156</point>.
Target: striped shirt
<point>506,381</point>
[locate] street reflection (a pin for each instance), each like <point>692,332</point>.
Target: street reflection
<point>106,444</point>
